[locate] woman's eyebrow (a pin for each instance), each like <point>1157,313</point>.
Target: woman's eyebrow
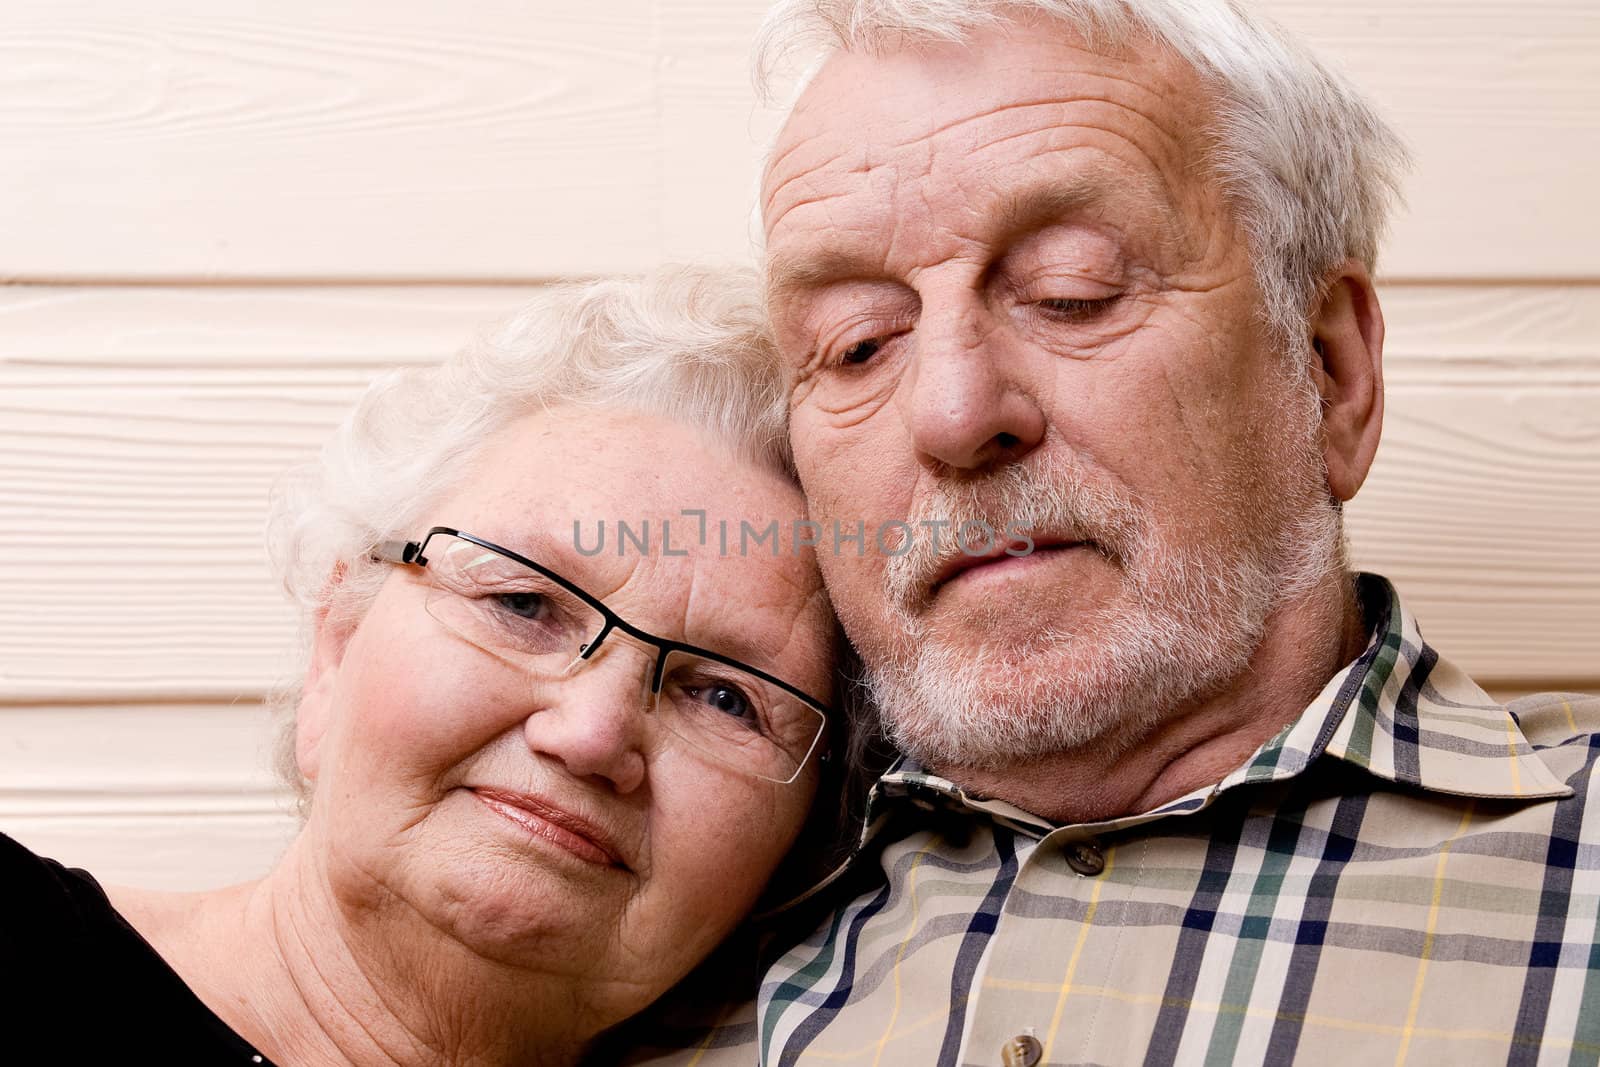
<point>543,548</point>
<point>712,635</point>
<point>739,644</point>
<point>764,639</point>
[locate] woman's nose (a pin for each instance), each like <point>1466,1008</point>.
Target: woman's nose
<point>592,719</point>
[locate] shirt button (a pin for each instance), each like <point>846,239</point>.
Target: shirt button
<point>1085,857</point>
<point>1023,1050</point>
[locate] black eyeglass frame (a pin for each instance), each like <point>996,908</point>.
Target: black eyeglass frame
<point>414,554</point>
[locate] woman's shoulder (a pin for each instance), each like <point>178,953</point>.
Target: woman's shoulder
<point>79,981</point>
<point>43,902</point>
<point>58,930</point>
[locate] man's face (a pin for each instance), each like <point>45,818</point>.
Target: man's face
<point>1009,289</point>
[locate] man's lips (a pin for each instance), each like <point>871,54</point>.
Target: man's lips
<point>963,563</point>
<point>543,819</point>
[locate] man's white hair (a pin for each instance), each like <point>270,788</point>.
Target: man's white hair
<point>1310,168</point>
<point>689,344</point>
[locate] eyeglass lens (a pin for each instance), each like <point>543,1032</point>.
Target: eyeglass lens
<point>532,623</point>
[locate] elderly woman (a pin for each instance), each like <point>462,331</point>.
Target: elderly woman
<point>542,781</point>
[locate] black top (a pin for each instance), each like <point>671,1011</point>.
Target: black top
<point>78,985</point>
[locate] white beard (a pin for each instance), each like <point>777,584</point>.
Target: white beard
<point>1194,614</point>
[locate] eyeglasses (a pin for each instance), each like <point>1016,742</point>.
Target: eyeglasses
<point>527,615</point>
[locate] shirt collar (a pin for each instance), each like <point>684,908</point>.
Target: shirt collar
<point>1400,711</point>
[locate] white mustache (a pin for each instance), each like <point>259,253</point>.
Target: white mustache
<point>1052,499</point>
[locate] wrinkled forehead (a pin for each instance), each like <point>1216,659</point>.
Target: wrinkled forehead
<point>945,122</point>
<point>906,95</point>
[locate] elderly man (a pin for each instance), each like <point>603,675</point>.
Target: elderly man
<point>1176,786</point>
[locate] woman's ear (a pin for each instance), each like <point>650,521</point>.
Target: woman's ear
<point>1347,367</point>
<point>316,711</point>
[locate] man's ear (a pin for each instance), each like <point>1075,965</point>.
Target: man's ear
<point>1347,367</point>
<point>316,711</point>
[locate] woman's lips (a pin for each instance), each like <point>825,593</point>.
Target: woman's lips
<point>554,825</point>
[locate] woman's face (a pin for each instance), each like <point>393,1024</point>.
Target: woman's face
<point>556,826</point>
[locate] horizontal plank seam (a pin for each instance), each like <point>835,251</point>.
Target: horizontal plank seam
<point>132,699</point>
<point>113,700</point>
<point>133,815</point>
<point>468,281</point>
<point>309,281</point>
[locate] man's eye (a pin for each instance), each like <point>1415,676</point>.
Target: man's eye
<point>1075,310</point>
<point>861,351</point>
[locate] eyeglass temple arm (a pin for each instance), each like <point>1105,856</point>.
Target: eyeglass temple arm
<point>397,552</point>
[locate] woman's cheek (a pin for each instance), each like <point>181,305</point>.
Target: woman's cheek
<point>412,709</point>
<point>734,854</point>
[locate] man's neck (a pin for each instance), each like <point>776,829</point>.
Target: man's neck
<point>300,982</point>
<point>1197,745</point>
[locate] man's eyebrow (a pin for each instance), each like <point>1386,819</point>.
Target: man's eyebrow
<point>1036,206</point>
<point>797,275</point>
<point>1030,208</point>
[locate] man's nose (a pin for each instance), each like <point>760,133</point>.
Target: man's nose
<point>962,402</point>
<point>593,719</point>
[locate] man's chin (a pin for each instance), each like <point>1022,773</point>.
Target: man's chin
<point>991,708</point>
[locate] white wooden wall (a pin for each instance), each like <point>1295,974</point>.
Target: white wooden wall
<point>218,219</point>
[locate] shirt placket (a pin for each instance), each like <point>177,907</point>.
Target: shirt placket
<point>1060,980</point>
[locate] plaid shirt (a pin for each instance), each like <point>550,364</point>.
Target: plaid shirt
<point>1408,872</point>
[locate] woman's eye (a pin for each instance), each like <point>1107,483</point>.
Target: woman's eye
<point>524,605</point>
<point>728,699</point>
<point>861,351</point>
